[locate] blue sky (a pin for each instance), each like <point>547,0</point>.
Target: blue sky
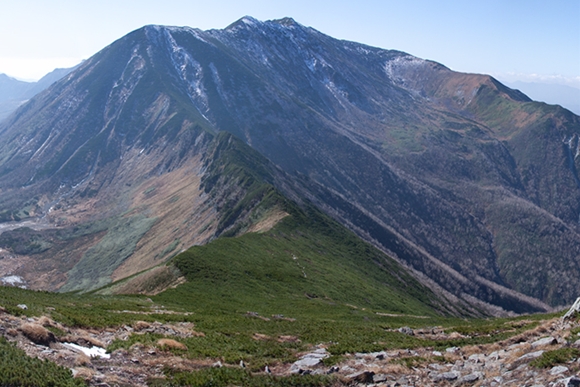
<point>525,40</point>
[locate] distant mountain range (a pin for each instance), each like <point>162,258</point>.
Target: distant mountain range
<point>468,184</point>
<point>566,96</point>
<point>13,92</point>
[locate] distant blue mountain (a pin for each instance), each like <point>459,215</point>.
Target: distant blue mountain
<point>14,92</point>
<point>553,94</point>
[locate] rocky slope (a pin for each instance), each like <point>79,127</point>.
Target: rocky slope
<point>548,355</point>
<point>459,177</point>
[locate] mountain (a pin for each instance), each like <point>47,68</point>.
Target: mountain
<point>13,92</point>
<point>566,96</point>
<point>469,184</point>
<point>10,91</point>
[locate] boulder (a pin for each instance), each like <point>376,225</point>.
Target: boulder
<point>380,378</point>
<point>365,377</point>
<point>471,378</point>
<point>448,376</point>
<point>544,341</point>
<point>557,370</point>
<point>524,359</point>
<point>573,311</point>
<point>309,360</point>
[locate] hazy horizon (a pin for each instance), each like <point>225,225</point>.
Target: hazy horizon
<point>528,40</point>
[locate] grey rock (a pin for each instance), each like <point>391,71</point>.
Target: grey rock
<point>557,370</point>
<point>449,376</point>
<point>309,360</point>
<point>544,341</point>
<point>379,378</point>
<point>362,377</point>
<point>574,381</point>
<point>379,355</point>
<point>476,358</point>
<point>437,353</point>
<point>524,359</point>
<point>458,366</point>
<point>22,306</point>
<point>407,331</point>
<point>348,369</point>
<point>573,311</point>
<point>515,346</point>
<point>471,378</point>
<point>452,350</point>
<point>496,355</point>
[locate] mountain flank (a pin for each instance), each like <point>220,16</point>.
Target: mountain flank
<point>470,185</point>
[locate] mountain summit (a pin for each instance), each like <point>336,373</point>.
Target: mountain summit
<point>470,184</point>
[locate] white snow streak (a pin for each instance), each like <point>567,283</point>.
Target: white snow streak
<point>91,352</point>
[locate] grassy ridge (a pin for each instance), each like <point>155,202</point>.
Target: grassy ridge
<point>291,263</point>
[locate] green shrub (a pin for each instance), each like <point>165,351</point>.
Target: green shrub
<point>226,376</point>
<point>557,356</point>
<point>19,370</point>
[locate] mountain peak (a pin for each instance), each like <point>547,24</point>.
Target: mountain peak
<point>287,21</point>
<point>249,21</point>
<point>244,21</point>
<point>408,152</point>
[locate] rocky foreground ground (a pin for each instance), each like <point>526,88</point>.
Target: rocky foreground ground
<point>506,363</point>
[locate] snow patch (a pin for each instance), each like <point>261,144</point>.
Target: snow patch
<point>91,352</point>
<point>191,72</point>
<point>248,20</point>
<point>393,66</point>
<point>12,280</point>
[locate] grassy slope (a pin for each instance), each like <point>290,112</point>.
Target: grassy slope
<point>301,260</point>
<point>306,256</point>
<point>307,278</point>
<point>229,331</point>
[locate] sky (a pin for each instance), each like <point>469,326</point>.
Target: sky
<point>525,40</point>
